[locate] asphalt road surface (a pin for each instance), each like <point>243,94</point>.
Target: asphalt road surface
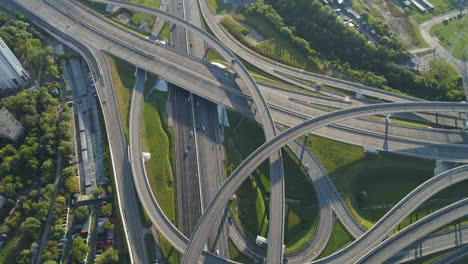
<point>189,207</point>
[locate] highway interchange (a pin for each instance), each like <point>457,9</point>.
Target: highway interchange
<point>203,229</point>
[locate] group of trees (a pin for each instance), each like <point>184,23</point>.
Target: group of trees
<point>33,158</point>
<point>323,37</point>
<point>26,42</point>
<point>268,13</point>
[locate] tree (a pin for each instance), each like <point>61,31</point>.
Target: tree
<point>78,250</point>
<point>81,214</point>
<point>109,256</point>
<point>107,209</point>
<point>65,148</point>
<point>24,257</point>
<point>30,228</point>
<point>97,192</point>
<point>47,256</point>
<point>58,231</point>
<point>108,226</point>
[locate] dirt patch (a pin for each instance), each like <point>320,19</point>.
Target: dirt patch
<point>255,37</point>
<point>400,23</point>
<point>124,17</point>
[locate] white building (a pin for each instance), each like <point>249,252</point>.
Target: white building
<point>12,73</point>
<point>9,127</point>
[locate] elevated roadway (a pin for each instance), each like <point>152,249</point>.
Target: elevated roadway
<point>288,73</point>
<point>414,232</point>
<point>124,185</point>
<point>350,136</point>
<point>69,9</point>
<point>251,162</point>
<point>457,237</point>
<point>457,255</point>
<point>195,81</point>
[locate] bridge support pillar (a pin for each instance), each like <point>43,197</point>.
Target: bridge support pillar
<point>442,166</point>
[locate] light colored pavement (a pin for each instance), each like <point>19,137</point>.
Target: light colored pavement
<point>460,65</point>
<point>98,64</point>
<point>149,202</point>
<point>187,168</point>
<point>394,216</point>
<point>209,145</point>
<point>277,197</point>
<point>384,144</point>
<point>454,256</point>
<point>259,155</point>
<point>414,232</point>
<point>220,96</point>
<point>288,73</point>
<point>434,243</point>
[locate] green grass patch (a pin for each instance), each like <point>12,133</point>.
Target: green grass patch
<point>137,18</point>
<point>10,251</point>
<point>165,32</point>
<point>274,46</point>
<point>338,239</point>
<point>144,218</point>
<point>251,208</point>
<point>236,255</point>
<point>385,178</point>
<point>333,154</point>
<point>169,253</point>
<point>158,140</point>
<point>442,71</point>
<point>150,248</point>
<point>124,79</point>
<point>134,30</point>
<point>440,7</point>
<point>218,7</point>
<point>302,217</point>
<point>399,121</point>
<point>121,242</point>
<point>453,35</point>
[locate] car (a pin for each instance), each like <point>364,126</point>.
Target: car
<point>307,166</point>
<point>191,44</point>
<point>217,252</point>
<point>3,239</point>
<point>189,147</point>
<point>203,127</point>
<point>230,220</point>
<point>191,133</point>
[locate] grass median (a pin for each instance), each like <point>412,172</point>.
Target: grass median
<point>274,45</point>
<point>236,255</point>
<point>453,35</point>
<point>371,184</point>
<point>219,7</point>
<point>150,248</point>
<point>339,238</point>
<point>251,208</point>
<point>137,18</point>
<point>124,79</point>
<point>158,140</point>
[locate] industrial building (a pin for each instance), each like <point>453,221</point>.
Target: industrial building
<point>9,127</point>
<point>12,73</point>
